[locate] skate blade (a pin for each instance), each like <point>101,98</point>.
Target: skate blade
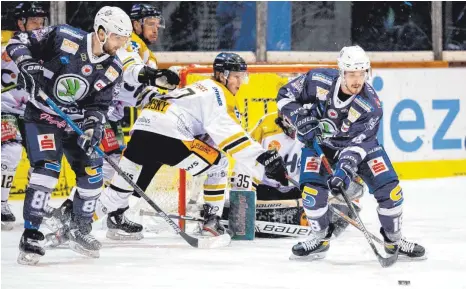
<point>81,250</point>
<point>52,224</point>
<point>30,259</point>
<point>214,242</point>
<point>7,226</point>
<point>308,258</point>
<point>52,241</point>
<point>404,258</point>
<point>119,235</point>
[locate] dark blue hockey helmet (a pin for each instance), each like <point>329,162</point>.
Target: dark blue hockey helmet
<point>141,11</point>
<point>227,61</point>
<point>24,10</point>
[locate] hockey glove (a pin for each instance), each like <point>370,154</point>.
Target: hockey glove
<point>93,127</point>
<point>341,179</point>
<point>274,166</point>
<point>161,78</point>
<point>31,77</point>
<point>307,126</point>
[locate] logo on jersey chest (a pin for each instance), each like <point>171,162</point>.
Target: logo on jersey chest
<point>86,70</point>
<point>70,88</point>
<point>69,46</point>
<point>332,113</point>
<point>328,127</point>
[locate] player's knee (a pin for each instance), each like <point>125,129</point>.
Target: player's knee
<point>131,169</point>
<point>314,196</point>
<point>389,195</point>
<point>44,175</point>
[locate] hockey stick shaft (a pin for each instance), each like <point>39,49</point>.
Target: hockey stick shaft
<point>385,262</point>
<point>8,88</point>
<point>191,240</point>
<point>342,215</point>
<point>272,228</point>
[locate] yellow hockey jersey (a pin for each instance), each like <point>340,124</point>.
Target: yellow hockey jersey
<point>140,47</point>
<point>271,136</point>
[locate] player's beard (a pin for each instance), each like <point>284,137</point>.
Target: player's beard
<point>354,89</point>
<point>109,50</point>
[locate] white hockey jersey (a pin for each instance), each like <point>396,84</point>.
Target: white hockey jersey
<point>203,107</point>
<point>271,136</point>
<point>13,101</point>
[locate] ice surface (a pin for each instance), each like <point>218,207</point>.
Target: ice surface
<point>435,216</point>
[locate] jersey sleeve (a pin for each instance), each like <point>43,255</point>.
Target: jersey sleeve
<point>225,130</point>
<point>37,45</point>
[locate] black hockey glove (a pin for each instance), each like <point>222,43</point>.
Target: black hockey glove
<point>31,77</point>
<point>93,127</point>
<point>274,166</point>
<point>161,78</point>
<point>307,126</point>
<point>341,179</point>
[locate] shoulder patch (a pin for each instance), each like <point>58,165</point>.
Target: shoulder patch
<point>322,78</point>
<point>69,46</point>
<point>321,93</point>
<point>363,104</point>
<point>71,32</point>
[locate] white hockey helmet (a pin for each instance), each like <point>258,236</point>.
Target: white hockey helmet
<point>353,58</point>
<point>113,20</point>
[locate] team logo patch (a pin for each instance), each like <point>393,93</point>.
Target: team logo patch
<point>312,165</point>
<point>70,88</point>
<point>111,73</point>
<point>377,166</point>
<point>69,46</point>
<point>46,142</point>
<point>321,93</point>
<point>86,70</point>
<point>332,113</point>
<point>345,126</point>
<point>274,145</point>
<point>353,115</point>
<point>99,84</point>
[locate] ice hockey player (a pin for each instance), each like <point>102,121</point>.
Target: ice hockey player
<point>273,131</point>
<point>78,71</point>
<point>139,70</point>
<point>165,131</point>
<point>343,107</point>
<point>29,16</point>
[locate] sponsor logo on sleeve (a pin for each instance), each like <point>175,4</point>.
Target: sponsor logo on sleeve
<point>71,33</point>
<point>322,78</point>
<point>312,165</point>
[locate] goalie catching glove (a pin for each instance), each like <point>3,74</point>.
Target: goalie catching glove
<point>274,166</point>
<point>161,78</point>
<point>93,127</point>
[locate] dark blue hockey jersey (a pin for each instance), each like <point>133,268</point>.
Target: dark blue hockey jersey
<point>350,126</point>
<point>74,77</point>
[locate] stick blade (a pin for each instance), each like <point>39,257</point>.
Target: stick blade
<point>214,242</point>
<point>389,261</point>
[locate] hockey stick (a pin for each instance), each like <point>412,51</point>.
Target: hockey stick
<point>274,228</point>
<point>342,215</point>
<point>8,88</point>
<point>385,262</point>
<point>208,242</point>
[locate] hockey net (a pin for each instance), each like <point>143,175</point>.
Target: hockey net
<point>179,193</point>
